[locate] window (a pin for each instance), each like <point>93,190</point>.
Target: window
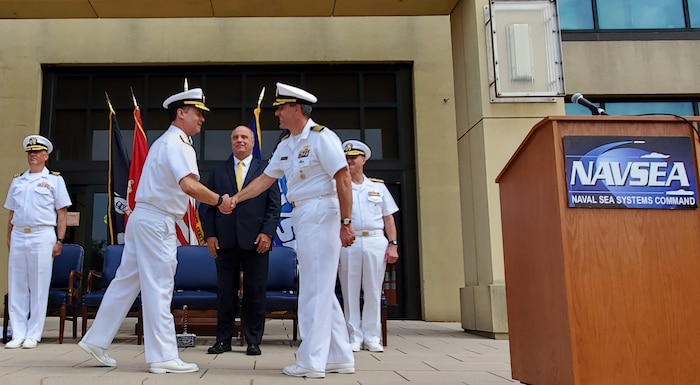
<point>581,15</point>
<point>622,108</point>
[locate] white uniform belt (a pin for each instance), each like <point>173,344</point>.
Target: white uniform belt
<point>32,229</point>
<point>369,233</point>
<point>150,207</point>
<point>299,202</point>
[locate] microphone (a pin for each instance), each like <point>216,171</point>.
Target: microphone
<point>577,98</point>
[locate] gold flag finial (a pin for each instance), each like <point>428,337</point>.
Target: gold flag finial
<point>186,86</point>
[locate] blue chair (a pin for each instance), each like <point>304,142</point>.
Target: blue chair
<point>195,279</point>
<point>282,298</point>
<point>64,291</point>
<point>91,300</point>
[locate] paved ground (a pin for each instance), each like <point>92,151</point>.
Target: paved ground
<point>418,353</point>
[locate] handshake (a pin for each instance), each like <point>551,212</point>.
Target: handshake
<point>227,203</point>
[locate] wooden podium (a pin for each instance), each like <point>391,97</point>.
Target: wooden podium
<point>597,296</point>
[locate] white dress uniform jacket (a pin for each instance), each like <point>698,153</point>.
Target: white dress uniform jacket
<point>34,198</point>
<point>362,265</point>
<point>309,161</point>
<point>149,258</point>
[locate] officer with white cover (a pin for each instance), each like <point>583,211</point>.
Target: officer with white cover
<point>169,177</point>
<point>363,264</point>
<point>318,186</point>
<point>38,202</point>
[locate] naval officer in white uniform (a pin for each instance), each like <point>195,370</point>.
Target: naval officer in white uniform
<point>318,185</point>
<point>170,176</point>
<point>362,265</point>
<point>38,202</point>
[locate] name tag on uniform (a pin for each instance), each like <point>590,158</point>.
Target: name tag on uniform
<point>283,158</point>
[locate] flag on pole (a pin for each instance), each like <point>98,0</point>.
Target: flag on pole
<point>189,229</point>
<point>117,181</point>
<point>139,151</point>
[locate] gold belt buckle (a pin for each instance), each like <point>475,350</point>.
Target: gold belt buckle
<point>27,230</point>
<point>365,233</point>
<point>294,205</point>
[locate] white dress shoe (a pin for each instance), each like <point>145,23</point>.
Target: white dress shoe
<point>374,346</point>
<point>29,343</point>
<point>347,368</point>
<point>14,344</point>
<point>356,346</point>
<point>298,371</point>
<point>101,355</point>
<point>173,366</point>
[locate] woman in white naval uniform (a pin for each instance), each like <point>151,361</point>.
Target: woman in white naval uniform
<point>362,265</point>
<point>38,202</point>
<point>170,176</point>
<point>318,185</point>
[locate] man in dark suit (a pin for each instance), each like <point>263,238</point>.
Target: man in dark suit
<point>243,238</point>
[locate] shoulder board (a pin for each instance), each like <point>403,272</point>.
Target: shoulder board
<point>15,175</point>
<point>377,180</point>
<point>55,173</point>
<point>317,128</point>
<point>184,140</point>
<point>285,136</point>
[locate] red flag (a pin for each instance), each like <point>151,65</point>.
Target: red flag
<point>139,151</point>
<point>189,228</point>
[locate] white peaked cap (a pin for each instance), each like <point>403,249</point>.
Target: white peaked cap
<point>37,143</point>
<point>355,147</point>
<point>193,97</point>
<point>290,94</point>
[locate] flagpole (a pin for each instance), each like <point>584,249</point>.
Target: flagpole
<point>110,193</point>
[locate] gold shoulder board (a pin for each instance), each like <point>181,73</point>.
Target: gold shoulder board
<point>15,175</point>
<point>317,128</point>
<point>285,136</point>
<point>55,173</point>
<point>377,180</point>
<point>184,140</point>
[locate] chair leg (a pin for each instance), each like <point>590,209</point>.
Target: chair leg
<point>139,327</point>
<point>384,316</point>
<point>75,320</point>
<point>295,326</point>
<point>84,316</point>
<point>5,322</point>
<point>62,324</point>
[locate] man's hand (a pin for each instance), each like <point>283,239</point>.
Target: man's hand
<point>347,235</point>
<point>264,243</point>
<point>227,205</point>
<point>57,247</point>
<point>392,254</point>
<point>235,199</point>
<point>213,245</point>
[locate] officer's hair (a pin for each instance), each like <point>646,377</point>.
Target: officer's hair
<point>172,111</point>
<point>306,110</point>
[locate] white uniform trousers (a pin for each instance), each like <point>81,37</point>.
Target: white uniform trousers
<point>321,324</point>
<point>29,277</point>
<point>148,265</point>
<point>362,267</point>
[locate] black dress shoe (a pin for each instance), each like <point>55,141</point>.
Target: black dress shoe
<point>253,350</point>
<point>219,348</point>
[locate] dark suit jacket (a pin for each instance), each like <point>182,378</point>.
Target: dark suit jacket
<point>250,218</point>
